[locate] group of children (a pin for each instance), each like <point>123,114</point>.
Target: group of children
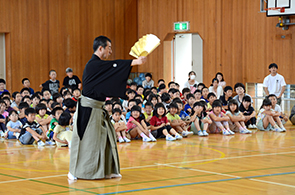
<point>148,113</point>
<point>44,118</point>
<point>151,113</point>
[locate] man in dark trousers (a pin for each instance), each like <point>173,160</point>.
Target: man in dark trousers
<point>94,149</point>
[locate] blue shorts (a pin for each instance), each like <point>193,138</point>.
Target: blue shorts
<point>27,138</point>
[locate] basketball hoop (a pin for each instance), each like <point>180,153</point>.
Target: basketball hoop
<point>280,9</point>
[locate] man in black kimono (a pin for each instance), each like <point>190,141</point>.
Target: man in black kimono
<point>93,148</point>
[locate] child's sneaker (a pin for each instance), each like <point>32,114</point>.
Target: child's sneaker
<point>254,126</point>
<point>245,131</point>
<point>278,130</point>
<point>2,134</point>
<point>225,132</point>
<point>230,132</point>
<point>205,133</point>
<point>126,139</point>
<point>71,176</point>
<point>283,128</point>
<point>189,133</point>
<point>40,143</point>
<point>250,126</point>
<point>51,143</point>
<point>170,138</point>
<point>200,133</point>
<point>153,139</point>
<point>16,134</point>
<point>121,140</point>
<point>177,136</point>
<point>146,139</point>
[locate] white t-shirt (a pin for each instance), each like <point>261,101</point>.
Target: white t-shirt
<point>278,108</point>
<point>219,91</point>
<point>274,84</point>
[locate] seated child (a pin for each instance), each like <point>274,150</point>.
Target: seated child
<point>200,119</point>
<point>166,100</point>
<point>119,106</point>
<point>119,125</point>
<point>198,95</point>
<point>148,111</point>
<point>32,131</point>
<point>160,126</point>
<point>27,99</point>
<point>2,86</point>
<point>154,90</point>
<point>137,127</point>
<point>108,106</point>
<point>41,117</point>
<point>267,118</point>
<point>237,119</point>
<point>139,91</point>
<point>219,120</point>
<point>70,106</point>
<point>2,118</point>
<point>227,95</point>
<point>46,94</point>
<point>201,86</point>
<point>182,114</point>
<point>162,89</point>
<point>35,99</point>
<point>154,99</point>
<point>76,94</point>
<point>205,92</point>
<point>211,98</point>
<point>131,103</point>
<point>67,94</point>
<point>175,120</point>
<point>22,116</point>
<point>130,94</point>
<point>171,85</point>
<point>190,102</point>
<point>133,86</point>
<point>174,93</point>
<point>17,98</point>
<point>56,97</point>
<point>273,98</point>
<point>13,126</point>
<point>56,112</point>
<point>292,115</point>
<point>63,131</point>
<point>185,91</point>
<point>7,101</point>
<point>249,113</point>
<point>148,82</point>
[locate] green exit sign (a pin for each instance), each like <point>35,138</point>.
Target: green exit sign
<point>181,26</point>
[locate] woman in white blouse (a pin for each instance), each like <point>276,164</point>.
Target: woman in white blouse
<point>191,83</point>
<point>215,88</point>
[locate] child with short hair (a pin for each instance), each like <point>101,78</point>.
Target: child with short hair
<point>2,86</point>
<point>240,90</point>
<point>154,99</point>
<point>70,106</point>
<point>175,120</point>
<point>148,82</point>
<point>182,114</point>
<point>27,99</point>
<point>185,91</point>
<point>174,93</point>
<point>200,119</point>
<point>274,100</point>
<point>63,131</point>
<point>171,85</point>
<point>32,131</point>
<point>67,94</point>
<point>139,91</point>
<point>13,126</point>
<point>7,101</point>
<point>119,125</point>
<point>17,98</point>
<point>56,112</point>
<point>131,103</point>
<point>130,94</point>
<point>154,90</point>
<point>162,89</point>
<point>219,119</point>
<point>166,100</point>
<point>133,86</point>
<point>148,111</point>
<point>41,117</point>
<point>35,99</point>
<point>76,94</point>
<point>198,95</point>
<point>26,83</point>
<point>205,93</point>
<point>190,102</point>
<point>137,127</point>
<point>56,97</point>
<point>237,119</point>
<point>52,84</point>
<point>22,116</point>
<point>227,96</point>
<point>211,98</point>
<point>160,126</point>
<point>248,112</point>
<point>119,106</point>
<point>267,118</point>
<point>46,95</point>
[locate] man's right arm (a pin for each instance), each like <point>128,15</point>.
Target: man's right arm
<point>139,61</point>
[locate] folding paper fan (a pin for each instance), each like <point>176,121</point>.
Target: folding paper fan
<point>145,45</point>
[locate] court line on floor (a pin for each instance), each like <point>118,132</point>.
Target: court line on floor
<point>35,178</point>
<point>275,183</point>
<point>202,182</point>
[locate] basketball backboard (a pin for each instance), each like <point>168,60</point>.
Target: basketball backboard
<point>287,7</point>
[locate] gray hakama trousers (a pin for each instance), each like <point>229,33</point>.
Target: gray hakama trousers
<point>94,155</point>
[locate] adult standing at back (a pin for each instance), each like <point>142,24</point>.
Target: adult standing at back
<point>191,83</point>
<point>94,152</point>
<point>72,80</point>
<point>274,83</point>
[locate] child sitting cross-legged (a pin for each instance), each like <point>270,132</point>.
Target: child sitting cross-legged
<point>119,125</point>
<point>160,125</point>
<point>237,120</point>
<point>148,111</point>
<point>32,131</point>
<point>190,102</point>
<point>13,126</point>
<point>42,118</point>
<point>63,131</point>
<point>274,100</point>
<point>175,120</point>
<point>137,126</point>
<point>267,118</point>
<point>219,119</point>
<point>56,112</point>
<point>200,119</point>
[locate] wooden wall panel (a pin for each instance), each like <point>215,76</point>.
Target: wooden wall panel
<point>238,40</point>
<point>55,34</point>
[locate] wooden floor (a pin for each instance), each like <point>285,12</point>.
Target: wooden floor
<point>261,163</point>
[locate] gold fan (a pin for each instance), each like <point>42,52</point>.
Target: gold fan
<point>145,45</point>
